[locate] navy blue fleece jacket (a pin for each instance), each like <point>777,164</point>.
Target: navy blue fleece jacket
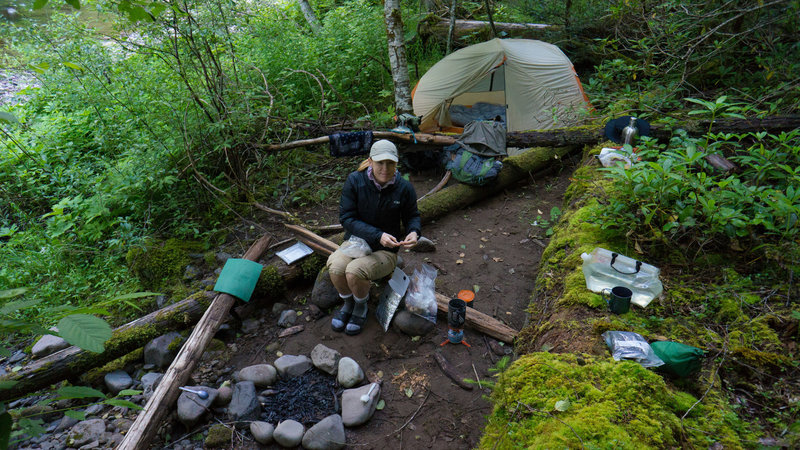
<point>367,212</point>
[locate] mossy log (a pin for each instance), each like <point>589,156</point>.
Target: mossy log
<point>73,362</point>
<point>463,28</point>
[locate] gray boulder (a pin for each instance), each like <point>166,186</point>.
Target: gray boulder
<point>85,432</point>
<point>150,381</point>
<point>350,373</point>
<point>412,324</point>
<point>290,366</point>
<point>288,318</point>
<point>192,408</point>
<point>262,432</point>
<point>117,381</point>
<point>325,359</point>
<point>224,395</point>
<point>289,433</point>
<point>328,434</point>
<point>424,245</point>
<point>47,345</point>
<point>260,374</point>
<point>278,308</point>
<point>324,294</point>
<point>354,411</point>
<point>244,402</point>
<point>162,350</point>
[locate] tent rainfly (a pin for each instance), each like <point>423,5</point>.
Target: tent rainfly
<point>529,84</point>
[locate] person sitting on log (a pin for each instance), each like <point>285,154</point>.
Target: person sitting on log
<point>376,205</point>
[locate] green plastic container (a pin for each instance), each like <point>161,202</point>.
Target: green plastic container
<point>680,360</point>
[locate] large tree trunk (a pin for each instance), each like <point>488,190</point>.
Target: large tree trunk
<point>397,56</point>
<point>72,362</point>
<point>451,29</point>
<point>311,18</point>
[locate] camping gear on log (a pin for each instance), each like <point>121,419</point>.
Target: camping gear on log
<point>604,269</point>
<point>392,296</point>
<point>618,299</point>
<point>609,156</point>
<point>630,345</point>
<point>615,128</point>
<point>484,138</point>
<point>350,144</point>
<point>456,317</point>
<point>532,80</point>
<point>238,278</point>
<point>680,360</point>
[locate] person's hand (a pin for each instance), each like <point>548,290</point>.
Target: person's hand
<point>388,241</point>
<point>410,240</point>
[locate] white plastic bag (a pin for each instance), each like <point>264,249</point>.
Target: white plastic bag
<point>421,294</point>
<point>355,247</point>
<point>630,345</point>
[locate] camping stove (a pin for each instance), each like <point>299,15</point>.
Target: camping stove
<point>456,316</point>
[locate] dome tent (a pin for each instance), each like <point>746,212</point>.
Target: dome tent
<point>532,82</point>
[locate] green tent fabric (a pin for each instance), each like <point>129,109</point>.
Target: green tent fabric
<point>680,360</point>
<point>238,278</point>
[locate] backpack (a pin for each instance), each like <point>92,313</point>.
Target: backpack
<point>680,360</point>
<point>469,168</point>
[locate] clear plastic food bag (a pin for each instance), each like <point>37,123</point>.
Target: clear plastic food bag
<point>630,345</point>
<point>421,294</point>
<point>355,247</point>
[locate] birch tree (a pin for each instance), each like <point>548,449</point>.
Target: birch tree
<point>397,56</point>
<point>311,18</point>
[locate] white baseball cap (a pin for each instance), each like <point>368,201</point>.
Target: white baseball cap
<point>383,150</point>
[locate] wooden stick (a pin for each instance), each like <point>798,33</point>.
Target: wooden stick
<point>450,371</point>
<point>310,235</point>
<point>439,186</point>
<point>163,399</point>
<point>283,214</point>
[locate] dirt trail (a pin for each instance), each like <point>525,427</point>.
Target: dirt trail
<point>490,247</point>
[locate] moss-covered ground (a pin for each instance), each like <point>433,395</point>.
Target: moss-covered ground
<point>565,390</point>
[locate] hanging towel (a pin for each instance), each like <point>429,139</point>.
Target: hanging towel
<point>350,144</point>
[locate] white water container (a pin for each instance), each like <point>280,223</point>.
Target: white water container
<point>604,269</point>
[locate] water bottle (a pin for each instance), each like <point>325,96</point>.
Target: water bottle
<point>630,132</point>
<point>604,269</point>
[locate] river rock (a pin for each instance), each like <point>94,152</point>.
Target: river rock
<point>162,350</point>
<point>262,431</point>
<point>244,402</point>
<point>85,432</point>
<point>150,381</point>
<point>224,395</point>
<point>350,373</point>
<point>250,326</point>
<point>290,366</point>
<point>289,433</point>
<point>324,294</point>
<point>261,375</point>
<point>278,308</point>
<point>354,411</point>
<point>288,318</point>
<point>328,434</point>
<point>325,359</point>
<point>65,423</point>
<point>192,408</point>
<point>117,381</point>
<point>412,324</point>
<point>424,245</point>
<point>48,344</point>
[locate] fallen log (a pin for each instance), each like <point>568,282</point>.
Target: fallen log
<point>148,421</point>
<point>475,319</point>
<point>441,28</point>
<point>583,135</point>
<point>72,362</point>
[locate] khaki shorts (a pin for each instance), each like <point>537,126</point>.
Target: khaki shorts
<point>371,267</point>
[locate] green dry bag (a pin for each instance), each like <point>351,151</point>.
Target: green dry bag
<point>680,360</point>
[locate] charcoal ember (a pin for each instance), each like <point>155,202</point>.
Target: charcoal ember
<point>307,398</point>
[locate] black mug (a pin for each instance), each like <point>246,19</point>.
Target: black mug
<point>618,300</point>
<point>456,313</point>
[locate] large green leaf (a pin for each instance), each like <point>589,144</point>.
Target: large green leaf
<point>11,307</point>
<point>7,384</point>
<point>85,331</point>
<point>75,414</point>
<point>8,293</point>
<point>39,4</point>
<point>135,295</point>
<point>122,403</point>
<point>5,429</point>
<point>68,392</point>
<point>8,117</point>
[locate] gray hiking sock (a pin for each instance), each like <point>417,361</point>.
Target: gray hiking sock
<point>348,303</point>
<point>360,309</point>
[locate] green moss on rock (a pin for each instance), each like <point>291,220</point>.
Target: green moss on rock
<point>160,262</point>
<point>610,405</point>
<point>218,436</point>
<point>270,284</point>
